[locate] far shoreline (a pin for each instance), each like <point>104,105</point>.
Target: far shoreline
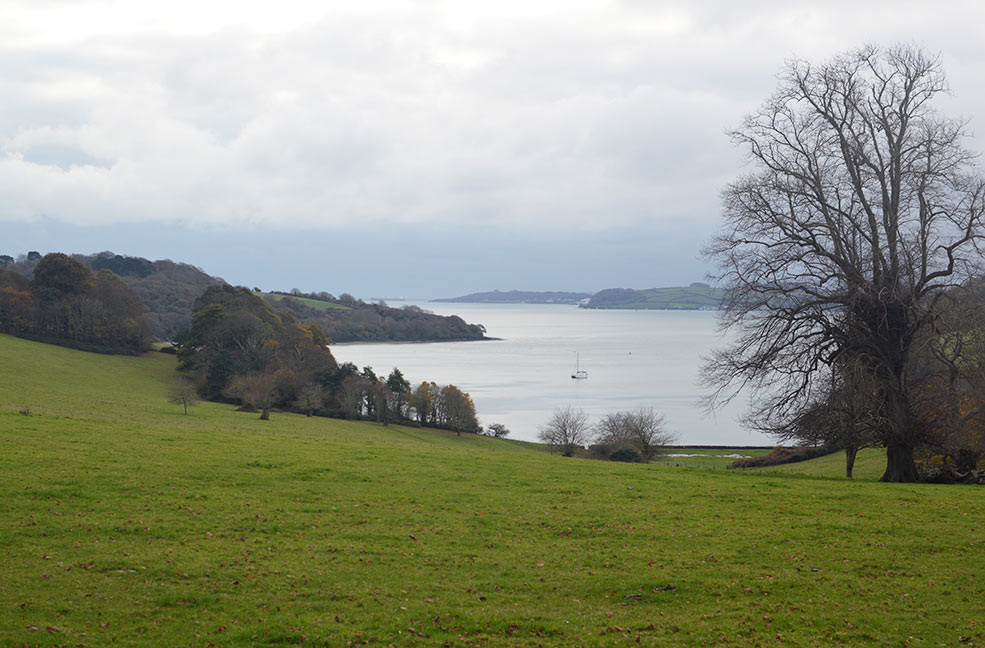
<point>396,342</point>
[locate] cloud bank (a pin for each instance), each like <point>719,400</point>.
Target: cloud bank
<point>532,116</point>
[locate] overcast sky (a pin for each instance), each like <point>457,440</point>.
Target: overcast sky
<point>424,148</point>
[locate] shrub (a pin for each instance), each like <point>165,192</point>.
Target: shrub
<point>628,455</point>
<point>781,455</point>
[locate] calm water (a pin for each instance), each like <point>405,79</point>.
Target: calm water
<point>633,358</point>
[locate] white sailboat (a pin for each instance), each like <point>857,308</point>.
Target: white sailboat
<point>579,374</point>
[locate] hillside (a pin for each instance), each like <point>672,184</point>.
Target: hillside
<point>697,296</point>
<point>126,522</point>
<point>351,320</point>
<point>518,297</point>
<point>694,297</point>
<point>169,290</point>
<point>317,304</point>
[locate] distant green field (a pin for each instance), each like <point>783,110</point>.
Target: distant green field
<point>684,297</point>
<point>126,523</point>
<point>312,303</point>
<point>675,298</point>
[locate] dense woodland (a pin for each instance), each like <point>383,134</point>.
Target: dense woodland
<point>169,290</point>
<point>346,319</point>
<point>239,349</point>
<point>66,303</point>
<point>166,288</point>
<point>232,345</point>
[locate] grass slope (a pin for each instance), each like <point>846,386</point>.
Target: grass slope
<point>870,464</point>
<point>127,523</point>
<point>317,304</point>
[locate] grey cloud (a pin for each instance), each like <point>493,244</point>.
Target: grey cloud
<point>587,119</point>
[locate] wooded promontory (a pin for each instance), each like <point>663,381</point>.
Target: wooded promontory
<point>169,289</point>
<point>697,296</point>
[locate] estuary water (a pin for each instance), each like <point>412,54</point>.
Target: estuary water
<point>633,359</point>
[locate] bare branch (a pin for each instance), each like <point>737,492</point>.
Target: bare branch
<point>863,209</point>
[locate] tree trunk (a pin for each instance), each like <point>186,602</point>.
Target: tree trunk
<point>265,416</point>
<point>899,465</point>
<point>850,453</point>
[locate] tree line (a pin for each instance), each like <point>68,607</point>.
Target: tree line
<point>637,435</point>
<point>358,321</point>
<point>240,349</point>
<point>169,290</point>
<point>66,303</point>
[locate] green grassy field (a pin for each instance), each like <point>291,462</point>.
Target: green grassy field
<point>869,464</point>
<point>126,523</point>
<point>317,304</point>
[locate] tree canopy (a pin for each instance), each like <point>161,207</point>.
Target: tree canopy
<point>238,347</point>
<point>862,210</point>
<point>67,304</point>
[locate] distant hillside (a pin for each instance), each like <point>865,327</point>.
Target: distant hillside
<point>169,289</point>
<point>346,319</point>
<point>518,297</point>
<point>697,296</point>
<point>318,304</point>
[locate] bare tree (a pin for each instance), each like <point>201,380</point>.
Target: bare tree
<point>567,430</point>
<point>611,429</point>
<point>845,417</point>
<point>182,392</point>
<point>862,210</point>
<point>643,429</point>
<point>647,431</point>
<point>311,396</point>
<point>351,395</point>
<point>256,389</point>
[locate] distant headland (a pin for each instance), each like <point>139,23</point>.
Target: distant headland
<point>697,296</point>
<point>519,297</point>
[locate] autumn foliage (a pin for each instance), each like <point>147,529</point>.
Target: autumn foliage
<point>66,303</point>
